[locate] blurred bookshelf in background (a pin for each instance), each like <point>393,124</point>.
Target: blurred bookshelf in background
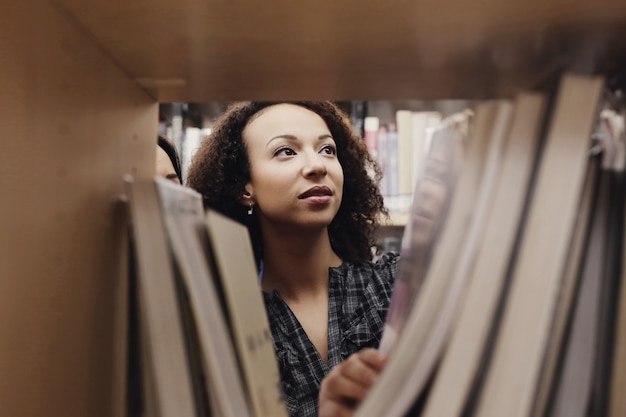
<point>395,131</point>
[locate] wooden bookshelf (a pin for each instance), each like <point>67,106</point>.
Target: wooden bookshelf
<point>210,50</point>
<point>81,84</point>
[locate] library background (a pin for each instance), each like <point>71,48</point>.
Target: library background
<point>186,124</point>
<point>84,82</point>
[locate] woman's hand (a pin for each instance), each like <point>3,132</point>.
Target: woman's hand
<point>347,383</point>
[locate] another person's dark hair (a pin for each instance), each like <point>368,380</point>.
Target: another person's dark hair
<point>169,148</point>
<point>220,170</point>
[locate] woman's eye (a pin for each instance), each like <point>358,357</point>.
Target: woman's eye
<point>284,151</point>
<point>329,150</point>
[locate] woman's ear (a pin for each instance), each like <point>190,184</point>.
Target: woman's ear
<point>247,197</point>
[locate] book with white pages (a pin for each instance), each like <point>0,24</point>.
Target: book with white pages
<point>447,280</point>
<point>183,216</point>
<point>383,397</point>
<point>510,381</point>
<point>562,316</point>
<point>462,356</point>
<point>573,385</point>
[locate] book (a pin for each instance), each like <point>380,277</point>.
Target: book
<point>405,143</point>
<point>562,316</point>
<point>183,217</point>
<point>428,244</point>
<point>606,325</point>
<point>572,385</point>
<point>436,305</point>
<point>617,400</point>
<point>609,378</point>
<point>429,210</point>
<point>383,160</point>
<point>393,201</point>
<point>520,344</point>
<point>236,270</point>
<point>169,389</point>
<point>121,348</point>
<point>357,112</point>
<point>422,124</point>
<point>461,360</point>
<point>370,135</point>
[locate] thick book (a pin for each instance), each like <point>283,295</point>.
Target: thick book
<point>168,377</point>
<point>609,301</point>
<point>236,270</point>
<point>572,383</point>
<point>617,399</point>
<point>183,217</point>
<point>520,346</point>
<point>567,300</point>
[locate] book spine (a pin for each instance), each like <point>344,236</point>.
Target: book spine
<point>370,135</point>
<point>405,139</point>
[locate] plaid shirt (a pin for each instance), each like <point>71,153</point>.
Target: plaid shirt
<point>359,296</point>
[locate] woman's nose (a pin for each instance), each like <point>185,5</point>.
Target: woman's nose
<point>314,166</point>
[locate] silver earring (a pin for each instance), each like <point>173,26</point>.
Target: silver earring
<point>250,209</point>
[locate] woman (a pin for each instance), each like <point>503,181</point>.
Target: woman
<point>298,177</point>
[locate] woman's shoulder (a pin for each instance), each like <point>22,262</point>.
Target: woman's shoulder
<point>379,261</point>
<point>366,294</point>
<point>383,268</point>
<point>388,258</point>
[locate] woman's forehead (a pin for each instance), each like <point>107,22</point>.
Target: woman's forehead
<point>284,118</point>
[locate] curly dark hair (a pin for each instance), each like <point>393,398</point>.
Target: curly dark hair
<point>220,169</point>
<point>169,148</point>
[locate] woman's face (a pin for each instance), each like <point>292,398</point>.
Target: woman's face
<point>296,178</point>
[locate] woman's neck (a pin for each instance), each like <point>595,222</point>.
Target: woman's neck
<point>296,265</point>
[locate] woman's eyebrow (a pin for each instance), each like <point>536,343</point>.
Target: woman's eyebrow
<point>284,136</point>
<point>293,137</point>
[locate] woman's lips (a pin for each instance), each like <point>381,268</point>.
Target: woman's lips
<point>318,195</point>
<point>317,191</point>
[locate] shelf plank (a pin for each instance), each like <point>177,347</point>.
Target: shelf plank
<point>215,50</point>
